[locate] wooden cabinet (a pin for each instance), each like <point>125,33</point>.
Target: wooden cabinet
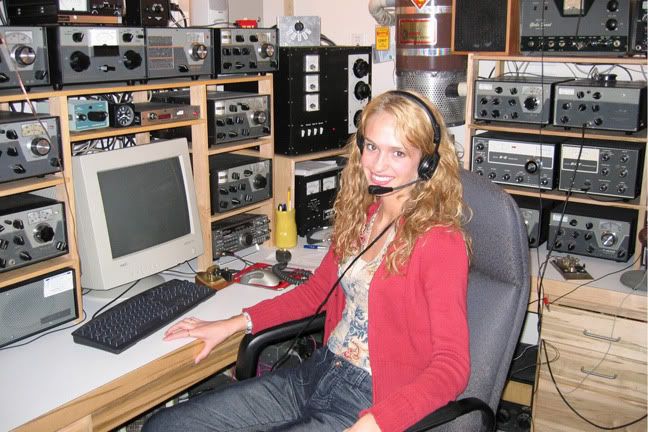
<point>594,333</point>
<point>61,184</point>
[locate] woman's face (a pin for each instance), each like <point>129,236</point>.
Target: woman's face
<point>386,160</point>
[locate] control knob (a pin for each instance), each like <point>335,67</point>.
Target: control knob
<point>360,68</point>
<point>43,233</point>
<point>531,167</point>
<point>362,90</point>
<point>78,37</point>
<point>246,239</point>
<point>24,55</point>
<point>132,59</point>
<point>127,37</point>
<point>259,181</point>
<point>608,239</point>
<point>268,50</point>
<point>40,146</point>
<point>531,103</point>
<point>79,61</point>
<point>260,117</point>
<point>199,51</point>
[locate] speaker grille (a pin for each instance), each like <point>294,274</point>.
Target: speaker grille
<point>480,25</point>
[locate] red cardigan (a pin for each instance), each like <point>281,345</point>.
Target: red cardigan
<point>418,329</point>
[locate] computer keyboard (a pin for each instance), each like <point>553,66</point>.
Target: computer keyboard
<point>132,320</point>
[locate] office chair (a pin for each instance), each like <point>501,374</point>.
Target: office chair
<point>498,293</point>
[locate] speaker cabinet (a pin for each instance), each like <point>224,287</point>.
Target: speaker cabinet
<point>485,26</point>
<point>36,305</point>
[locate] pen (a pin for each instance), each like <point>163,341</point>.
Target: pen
<point>288,202</point>
<point>309,246</point>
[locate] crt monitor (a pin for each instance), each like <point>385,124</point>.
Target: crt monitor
<point>136,213</point>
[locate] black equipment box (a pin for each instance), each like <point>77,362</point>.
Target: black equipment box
<point>535,212</point>
<point>239,232</point>
<point>148,13</point>
<point>316,186</point>
<point>245,50</point>
<point>319,93</point>
<point>238,180</point>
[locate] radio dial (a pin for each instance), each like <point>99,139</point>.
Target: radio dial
<point>259,182</point>
<point>613,6</point>
<point>40,146</point>
<point>531,167</point>
<point>24,55</point>
<point>77,37</point>
<point>608,239</point>
<point>79,61</point>
<point>246,239</point>
<point>267,50</point>
<point>531,103</point>
<point>199,51</point>
<point>43,233</point>
<point>127,37</point>
<point>260,117</point>
<point>362,90</point>
<point>611,24</point>
<point>132,60</point>
<point>360,68</point>
<point>498,90</point>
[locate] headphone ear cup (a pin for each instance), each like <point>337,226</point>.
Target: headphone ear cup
<point>427,166</point>
<point>360,141</point>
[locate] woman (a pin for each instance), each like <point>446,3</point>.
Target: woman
<point>396,328</point>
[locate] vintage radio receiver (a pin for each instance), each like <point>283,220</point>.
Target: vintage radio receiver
<point>36,305</point>
<point>588,27</point>
<point>239,232</point>
<point>601,232</point>
<point>23,51</point>
<point>608,168</point>
<point>28,147</point>
<point>316,186</point>
<point>604,103</point>
<point>245,50</point>
<point>238,180</point>
<point>519,160</point>
<point>535,212</point>
<point>319,95</point>
<point>515,99</point>
<point>152,113</point>
<point>96,54</point>
<point>32,229</point>
<point>179,52</point>
<point>639,31</point>
<point>64,11</point>
<point>231,116</point>
<point>148,13</point>
<point>87,114</point>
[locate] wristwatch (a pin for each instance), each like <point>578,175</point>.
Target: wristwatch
<point>248,328</point>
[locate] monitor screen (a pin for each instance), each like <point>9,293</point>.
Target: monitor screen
<point>136,212</point>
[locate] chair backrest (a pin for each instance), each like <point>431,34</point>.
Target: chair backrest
<point>498,291</point>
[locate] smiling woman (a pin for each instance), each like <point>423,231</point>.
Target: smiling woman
<point>395,275</point>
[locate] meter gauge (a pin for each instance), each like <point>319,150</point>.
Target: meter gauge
<point>121,114</point>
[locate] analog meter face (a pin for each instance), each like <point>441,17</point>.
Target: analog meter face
<point>124,115</point>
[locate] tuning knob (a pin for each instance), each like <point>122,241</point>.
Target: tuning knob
<point>24,55</point>
<point>531,167</point>
<point>44,233</point>
<point>199,52</point>
<point>246,239</point>
<point>40,146</point>
<point>360,68</point>
<point>608,239</point>
<point>259,181</point>
<point>268,50</point>
<point>77,37</point>
<point>260,117</point>
<point>132,59</point>
<point>79,61</point>
<point>127,37</point>
<point>362,90</point>
<point>531,103</point>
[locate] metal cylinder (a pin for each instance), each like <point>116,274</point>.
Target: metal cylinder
<point>423,60</point>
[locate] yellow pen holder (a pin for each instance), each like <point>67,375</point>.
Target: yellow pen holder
<point>285,233</point>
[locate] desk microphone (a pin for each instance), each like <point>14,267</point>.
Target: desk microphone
<point>382,190</point>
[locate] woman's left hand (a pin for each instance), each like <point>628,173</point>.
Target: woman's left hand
<point>366,423</point>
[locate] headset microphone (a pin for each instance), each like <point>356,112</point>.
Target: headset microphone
<point>382,190</point>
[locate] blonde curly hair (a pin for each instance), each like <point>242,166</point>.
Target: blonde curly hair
<point>436,202</point>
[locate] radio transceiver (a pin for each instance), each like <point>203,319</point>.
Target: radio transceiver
<point>566,27</point>
<point>23,51</point>
<point>231,116</point>
<point>96,54</point>
<point>148,13</point>
<point>26,148</point>
<point>239,232</point>
<point>178,52</point>
<point>33,230</point>
<point>87,114</point>
<point>238,180</point>
<point>245,50</point>
<point>609,235</point>
<point>151,113</point>
<point>326,89</point>
<point>518,160</point>
<point>39,12</point>
<point>604,168</point>
<point>535,212</point>
<point>604,103</point>
<point>516,99</point>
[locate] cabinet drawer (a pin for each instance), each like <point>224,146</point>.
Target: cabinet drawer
<point>608,401</point>
<point>594,332</point>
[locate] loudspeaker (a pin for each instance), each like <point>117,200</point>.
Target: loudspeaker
<point>485,26</point>
<point>36,305</point>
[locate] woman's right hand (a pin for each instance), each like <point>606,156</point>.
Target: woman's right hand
<point>211,333</point>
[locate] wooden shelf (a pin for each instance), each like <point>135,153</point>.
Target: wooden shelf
<point>562,59</point>
<point>31,184</point>
<point>580,198</point>
<point>34,270</point>
<point>263,205</point>
<point>558,131</point>
<point>112,132</point>
<point>239,145</point>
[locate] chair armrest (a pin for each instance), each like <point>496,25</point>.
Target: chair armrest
<point>456,409</point>
<point>252,345</point>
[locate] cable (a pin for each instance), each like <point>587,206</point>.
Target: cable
<point>115,299</point>
<point>284,357</point>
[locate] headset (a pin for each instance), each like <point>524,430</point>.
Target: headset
<point>428,164</point>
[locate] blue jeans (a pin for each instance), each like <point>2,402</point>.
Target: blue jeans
<point>324,393</point>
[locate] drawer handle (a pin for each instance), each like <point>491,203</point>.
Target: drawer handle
<point>598,374</point>
<point>597,336</point>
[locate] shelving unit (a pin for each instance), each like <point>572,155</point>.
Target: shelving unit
<point>62,183</point>
<point>583,323</point>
